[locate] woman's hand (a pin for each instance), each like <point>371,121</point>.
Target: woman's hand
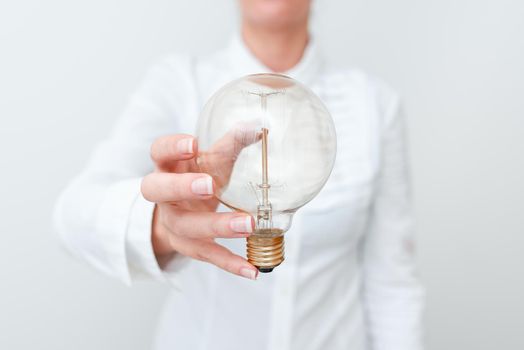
<point>185,221</point>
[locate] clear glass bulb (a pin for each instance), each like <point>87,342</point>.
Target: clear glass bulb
<point>270,144</point>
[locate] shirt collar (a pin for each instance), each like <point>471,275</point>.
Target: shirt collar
<point>243,62</point>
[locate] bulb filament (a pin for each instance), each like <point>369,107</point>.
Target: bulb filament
<point>265,182</point>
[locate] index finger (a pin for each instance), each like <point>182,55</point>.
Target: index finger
<point>168,149</point>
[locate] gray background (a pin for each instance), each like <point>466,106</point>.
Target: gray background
<point>67,67</point>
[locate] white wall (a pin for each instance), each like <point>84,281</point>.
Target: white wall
<point>66,68</point>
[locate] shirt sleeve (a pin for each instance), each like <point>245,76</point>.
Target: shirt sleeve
<point>393,297</point>
<point>101,216</point>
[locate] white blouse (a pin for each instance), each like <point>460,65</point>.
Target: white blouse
<point>349,279</point>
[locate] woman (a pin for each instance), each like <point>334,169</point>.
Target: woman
<point>348,281</point>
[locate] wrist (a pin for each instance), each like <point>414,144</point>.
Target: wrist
<point>160,236</point>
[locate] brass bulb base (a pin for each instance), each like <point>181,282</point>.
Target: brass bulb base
<point>265,249</point>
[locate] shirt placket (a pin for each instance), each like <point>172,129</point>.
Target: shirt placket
<point>284,292</point>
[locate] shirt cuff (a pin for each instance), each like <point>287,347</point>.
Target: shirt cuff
<point>142,262</point>
<point>141,258</point>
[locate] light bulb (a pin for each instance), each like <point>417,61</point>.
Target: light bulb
<point>270,144</point>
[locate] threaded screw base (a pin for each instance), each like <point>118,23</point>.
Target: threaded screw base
<point>265,249</point>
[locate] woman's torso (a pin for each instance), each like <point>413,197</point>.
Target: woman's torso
<point>311,301</point>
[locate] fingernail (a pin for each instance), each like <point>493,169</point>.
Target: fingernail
<point>242,224</point>
<point>185,145</point>
<point>248,273</point>
<point>202,185</point>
